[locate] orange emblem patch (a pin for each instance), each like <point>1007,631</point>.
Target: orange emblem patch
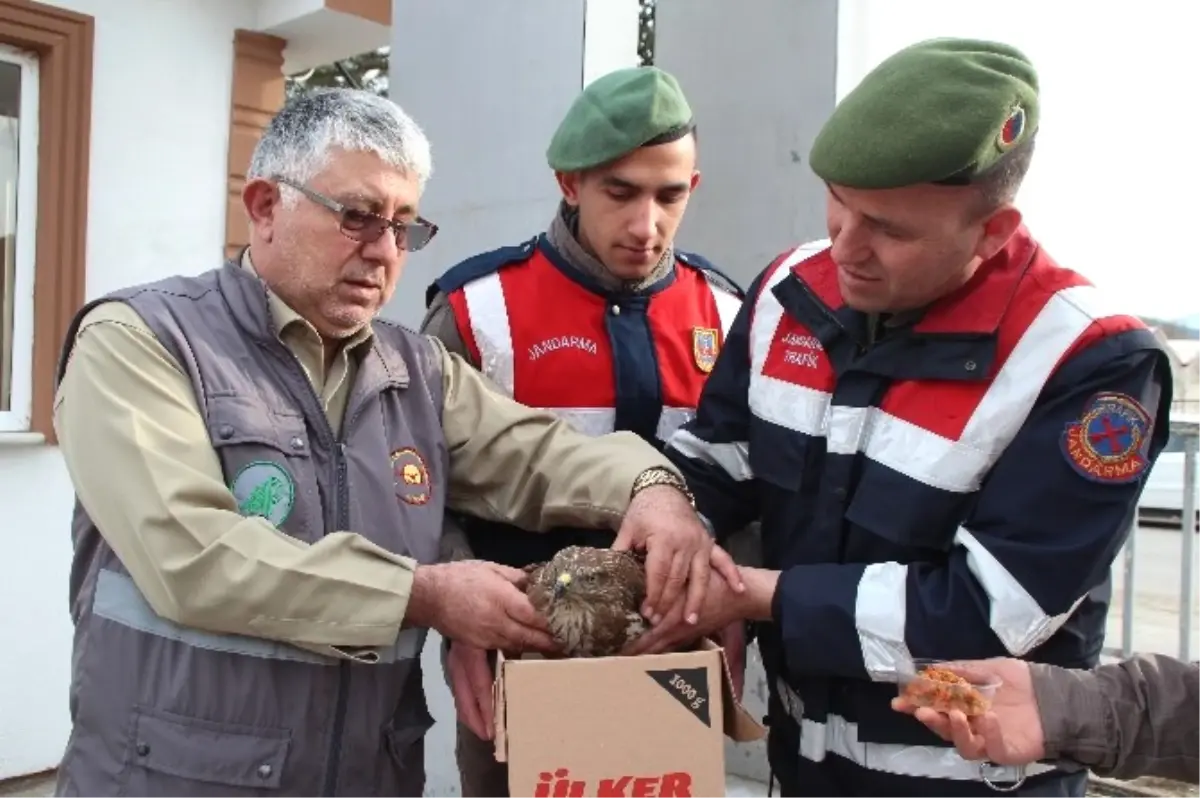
<point>705,348</point>
<point>411,476</point>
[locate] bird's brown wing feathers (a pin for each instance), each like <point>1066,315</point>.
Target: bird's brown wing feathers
<point>619,619</point>
<point>633,573</point>
<point>613,627</point>
<point>538,593</point>
<point>534,572</point>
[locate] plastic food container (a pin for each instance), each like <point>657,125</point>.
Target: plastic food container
<point>931,685</point>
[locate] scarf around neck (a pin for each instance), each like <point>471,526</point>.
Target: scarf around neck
<point>563,235</point>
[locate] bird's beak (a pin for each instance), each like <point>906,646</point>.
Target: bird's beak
<point>560,587</point>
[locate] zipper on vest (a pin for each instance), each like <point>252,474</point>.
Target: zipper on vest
<point>342,511</point>
<point>338,519</point>
<point>339,729</point>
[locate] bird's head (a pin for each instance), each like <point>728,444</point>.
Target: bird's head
<point>581,575</point>
<point>587,595</point>
<point>578,582</point>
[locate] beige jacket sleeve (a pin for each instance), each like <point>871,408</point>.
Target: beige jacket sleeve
<point>527,467</point>
<point>138,452</point>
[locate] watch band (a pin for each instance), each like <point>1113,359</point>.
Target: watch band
<point>657,475</point>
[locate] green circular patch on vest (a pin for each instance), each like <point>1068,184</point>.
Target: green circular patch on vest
<point>264,489</point>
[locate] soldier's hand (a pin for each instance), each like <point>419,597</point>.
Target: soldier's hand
<point>722,607</point>
<point>478,603</point>
<point>679,552</point>
<point>471,682</point>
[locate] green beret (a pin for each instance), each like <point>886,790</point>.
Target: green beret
<point>617,113</point>
<point>940,111</point>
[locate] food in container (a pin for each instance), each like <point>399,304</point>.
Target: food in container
<point>935,686</point>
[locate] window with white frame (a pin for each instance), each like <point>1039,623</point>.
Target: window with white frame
<point>18,201</point>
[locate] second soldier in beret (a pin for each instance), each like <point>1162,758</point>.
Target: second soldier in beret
<point>599,318</point>
<point>943,432</point>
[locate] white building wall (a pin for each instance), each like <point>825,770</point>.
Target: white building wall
<point>490,96</point>
<point>157,179</point>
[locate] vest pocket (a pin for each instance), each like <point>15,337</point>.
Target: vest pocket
<point>266,458</point>
<point>170,754</point>
<point>403,765</point>
<point>237,420</point>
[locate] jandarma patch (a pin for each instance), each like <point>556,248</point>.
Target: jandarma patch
<point>411,476</point>
<point>264,489</point>
<point>705,348</point>
<point>1108,442</point>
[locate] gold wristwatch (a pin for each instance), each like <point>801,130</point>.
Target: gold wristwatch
<point>657,475</point>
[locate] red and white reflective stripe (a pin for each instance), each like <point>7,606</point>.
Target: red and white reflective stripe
<point>673,418</point>
<point>793,407</point>
<point>881,610</point>
<point>732,458</point>
<point>1014,615</point>
<point>727,304</point>
<point>952,465</point>
<point>880,615</point>
<point>488,312</point>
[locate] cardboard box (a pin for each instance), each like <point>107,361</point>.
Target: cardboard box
<point>618,726</point>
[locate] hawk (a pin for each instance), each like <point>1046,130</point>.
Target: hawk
<point>591,599</point>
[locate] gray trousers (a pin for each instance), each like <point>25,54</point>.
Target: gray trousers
<point>479,774</point>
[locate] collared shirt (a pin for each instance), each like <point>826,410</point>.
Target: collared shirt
<point>330,379</point>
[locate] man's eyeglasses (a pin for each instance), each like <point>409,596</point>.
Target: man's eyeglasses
<point>367,227</point>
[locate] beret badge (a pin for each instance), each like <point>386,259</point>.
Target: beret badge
<point>1011,130</point>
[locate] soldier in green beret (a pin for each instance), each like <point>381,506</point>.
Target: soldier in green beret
<point>599,318</point>
<point>943,432</point>
<point>922,162</point>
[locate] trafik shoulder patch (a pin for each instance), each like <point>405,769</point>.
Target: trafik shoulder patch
<point>1108,442</point>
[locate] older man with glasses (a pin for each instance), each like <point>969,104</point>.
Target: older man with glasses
<point>261,469</point>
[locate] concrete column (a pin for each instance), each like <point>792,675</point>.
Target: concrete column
<point>762,78</point>
<point>489,83</point>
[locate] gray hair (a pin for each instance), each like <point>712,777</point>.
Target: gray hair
<point>297,143</point>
